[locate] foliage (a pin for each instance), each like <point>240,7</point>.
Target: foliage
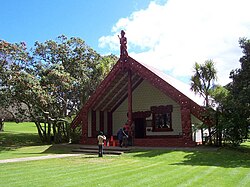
<point>50,82</point>
<point>202,82</point>
<point>203,79</point>
<point>234,101</point>
<point>75,135</point>
<point>240,87</point>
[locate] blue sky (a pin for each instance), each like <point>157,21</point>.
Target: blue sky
<point>170,35</point>
<point>40,20</point>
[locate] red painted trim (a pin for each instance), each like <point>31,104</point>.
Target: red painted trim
<point>154,142</point>
<point>110,95</point>
<point>165,87</point>
<point>144,73</point>
<point>129,98</point>
<point>125,96</point>
<point>103,86</point>
<point>84,122</point>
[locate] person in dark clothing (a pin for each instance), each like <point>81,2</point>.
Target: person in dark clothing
<point>125,137</point>
<point>120,136</point>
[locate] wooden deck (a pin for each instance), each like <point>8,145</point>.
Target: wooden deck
<point>91,149</point>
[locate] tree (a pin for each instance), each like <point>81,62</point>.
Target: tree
<point>50,83</point>
<point>13,60</point>
<point>240,93</point>
<point>202,81</point>
<point>240,86</point>
<point>221,95</point>
<point>233,101</point>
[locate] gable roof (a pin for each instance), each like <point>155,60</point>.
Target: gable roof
<point>179,85</point>
<point>113,89</point>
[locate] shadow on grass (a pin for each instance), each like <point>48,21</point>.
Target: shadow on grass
<point>224,157</point>
<point>11,141</point>
<point>60,149</point>
<point>149,153</point>
<point>153,152</point>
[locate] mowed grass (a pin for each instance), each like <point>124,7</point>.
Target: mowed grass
<point>22,140</point>
<point>139,168</point>
<point>197,167</point>
<point>19,134</point>
<point>18,138</point>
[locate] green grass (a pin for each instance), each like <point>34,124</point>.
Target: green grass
<point>204,167</point>
<point>141,168</point>
<point>16,139</point>
<point>25,127</point>
<point>19,134</point>
<point>22,140</point>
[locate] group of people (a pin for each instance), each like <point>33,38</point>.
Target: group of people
<point>124,135</point>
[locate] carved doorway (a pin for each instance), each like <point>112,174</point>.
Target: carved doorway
<point>140,127</point>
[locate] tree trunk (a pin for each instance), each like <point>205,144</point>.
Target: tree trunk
<point>209,127</point>
<point>49,132</point>
<point>202,137</point>
<point>209,135</point>
<point>40,131</point>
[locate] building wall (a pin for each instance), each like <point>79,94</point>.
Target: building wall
<point>97,122</point>
<point>89,124</point>
<point>143,97</point>
<point>196,134</point>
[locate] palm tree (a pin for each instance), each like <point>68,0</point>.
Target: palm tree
<point>202,81</point>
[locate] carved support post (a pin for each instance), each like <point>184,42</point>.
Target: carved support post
<point>93,123</point>
<point>129,98</point>
<point>84,122</point>
<point>186,121</point>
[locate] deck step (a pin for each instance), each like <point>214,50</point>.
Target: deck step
<point>95,151</point>
<point>106,150</point>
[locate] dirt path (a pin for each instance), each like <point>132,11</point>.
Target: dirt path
<point>37,158</point>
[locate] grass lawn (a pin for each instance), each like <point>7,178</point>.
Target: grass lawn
<point>204,167</point>
<point>22,140</point>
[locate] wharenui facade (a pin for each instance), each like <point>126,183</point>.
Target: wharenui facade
<point>160,108</point>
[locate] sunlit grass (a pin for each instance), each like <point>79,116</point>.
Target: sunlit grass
<point>24,127</point>
<point>204,167</point>
<point>22,140</point>
<point>138,168</point>
<point>16,139</point>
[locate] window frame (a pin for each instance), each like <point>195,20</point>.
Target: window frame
<point>162,110</point>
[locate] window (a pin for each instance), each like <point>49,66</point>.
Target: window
<point>162,118</point>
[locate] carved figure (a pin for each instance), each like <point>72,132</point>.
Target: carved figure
<point>123,45</point>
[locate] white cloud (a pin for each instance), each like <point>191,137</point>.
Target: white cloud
<point>175,35</point>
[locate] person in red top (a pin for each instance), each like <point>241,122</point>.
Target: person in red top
<point>127,127</point>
